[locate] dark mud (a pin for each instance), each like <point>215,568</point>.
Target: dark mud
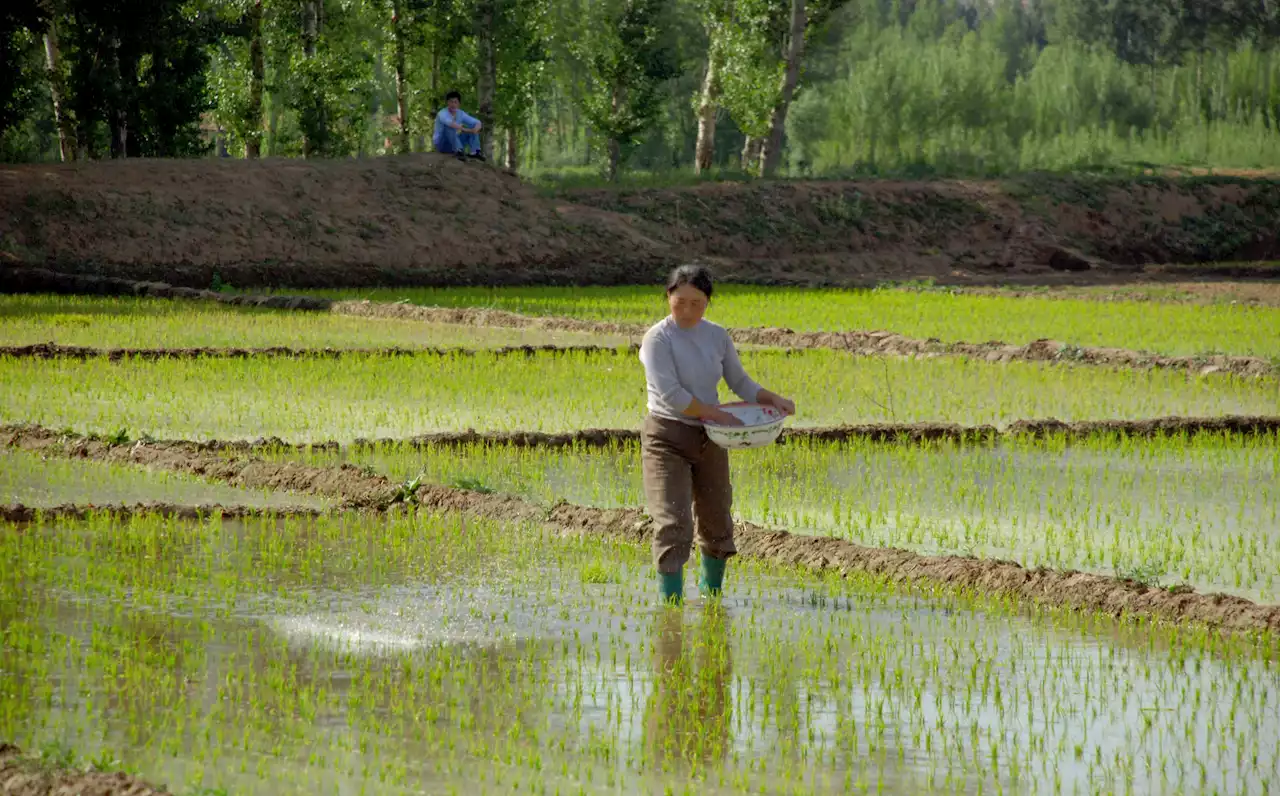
<point>862,343</point>
<point>23,775</point>
<point>20,513</point>
<point>56,351</point>
<point>356,487</point>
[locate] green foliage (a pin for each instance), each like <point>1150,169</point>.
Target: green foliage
<point>626,63</point>
<point>920,88</point>
<point>19,61</point>
<point>972,101</point>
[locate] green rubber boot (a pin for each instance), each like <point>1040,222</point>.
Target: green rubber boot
<point>712,582</point>
<point>671,587</point>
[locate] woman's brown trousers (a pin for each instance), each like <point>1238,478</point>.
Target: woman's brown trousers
<point>686,486</point>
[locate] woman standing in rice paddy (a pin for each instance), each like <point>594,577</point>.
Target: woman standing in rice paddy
<point>686,475</point>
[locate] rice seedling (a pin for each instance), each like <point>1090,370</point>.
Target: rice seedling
<point>160,323</point>
<point>28,479</point>
<point>374,396</point>
<point>427,653</point>
<point>1174,329</point>
<point>1201,510</point>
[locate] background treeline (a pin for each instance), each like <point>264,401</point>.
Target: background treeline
<point>587,86</point>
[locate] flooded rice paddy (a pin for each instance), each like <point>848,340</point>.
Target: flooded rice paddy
<point>1203,510</point>
<point>30,480</point>
<point>420,653</point>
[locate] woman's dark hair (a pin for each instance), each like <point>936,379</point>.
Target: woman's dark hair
<point>695,275</point>
<point>453,95</point>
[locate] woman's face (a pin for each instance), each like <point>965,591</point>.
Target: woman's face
<point>688,304</point>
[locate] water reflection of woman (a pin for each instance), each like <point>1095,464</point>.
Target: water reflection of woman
<point>688,713</point>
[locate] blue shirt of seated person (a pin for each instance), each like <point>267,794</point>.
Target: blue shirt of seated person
<point>456,131</point>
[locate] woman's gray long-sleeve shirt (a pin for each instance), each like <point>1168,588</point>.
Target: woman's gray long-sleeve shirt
<point>683,364</point>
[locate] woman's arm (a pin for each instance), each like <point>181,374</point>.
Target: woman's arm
<point>660,370</point>
<point>712,414</point>
<point>736,377</point>
<point>784,405</point>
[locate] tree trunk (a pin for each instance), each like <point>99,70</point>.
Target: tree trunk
<point>615,156</point>
<point>66,130</point>
<point>402,83</point>
<point>257,77</point>
<point>708,107</point>
<point>790,77</point>
<point>751,152</point>
<point>119,118</point>
<point>513,150</point>
<point>312,140</point>
<point>488,77</point>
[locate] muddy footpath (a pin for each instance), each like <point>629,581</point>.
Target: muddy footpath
<point>27,775</point>
<point>357,488</point>
<point>859,343</point>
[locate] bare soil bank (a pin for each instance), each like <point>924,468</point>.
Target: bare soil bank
<point>429,220</point>
<point>21,775</point>
<point>357,488</point>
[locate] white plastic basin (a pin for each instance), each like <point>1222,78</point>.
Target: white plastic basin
<point>761,426</point>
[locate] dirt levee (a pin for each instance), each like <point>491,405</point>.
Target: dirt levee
<point>23,775</point>
<point>1029,229</point>
<point>395,220</point>
<point>431,220</point>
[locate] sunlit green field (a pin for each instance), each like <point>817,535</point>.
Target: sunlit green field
<point>1204,511</point>
<point>1145,325</point>
<point>427,654</point>
<point>161,323</point>
<point>375,396</point>
<point>412,652</point>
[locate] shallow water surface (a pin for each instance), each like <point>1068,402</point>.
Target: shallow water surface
<point>31,480</point>
<point>1204,510</point>
<point>421,653</point>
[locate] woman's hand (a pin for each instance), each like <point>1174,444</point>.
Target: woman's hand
<point>721,418</point>
<point>784,405</point>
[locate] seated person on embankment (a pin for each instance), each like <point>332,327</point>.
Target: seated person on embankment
<point>457,133</point>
